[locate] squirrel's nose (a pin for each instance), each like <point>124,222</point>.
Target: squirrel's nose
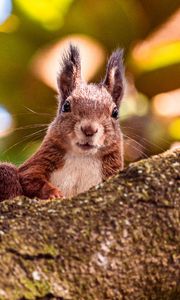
<point>89,130</point>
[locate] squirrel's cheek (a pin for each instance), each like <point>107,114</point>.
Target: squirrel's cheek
<point>102,139</point>
<point>100,136</point>
<point>77,130</point>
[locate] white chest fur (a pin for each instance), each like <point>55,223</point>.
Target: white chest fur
<point>78,174</point>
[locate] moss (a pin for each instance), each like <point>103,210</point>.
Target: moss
<point>50,250</point>
<point>34,289</point>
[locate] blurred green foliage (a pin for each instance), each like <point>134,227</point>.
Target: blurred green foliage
<point>35,24</point>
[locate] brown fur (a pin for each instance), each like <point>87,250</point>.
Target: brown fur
<point>34,173</point>
<point>9,182</point>
<point>87,130</point>
<point>113,161</point>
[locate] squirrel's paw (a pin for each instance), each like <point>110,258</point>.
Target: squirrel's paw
<point>50,192</point>
<point>55,194</point>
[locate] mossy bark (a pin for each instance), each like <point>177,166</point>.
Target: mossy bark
<point>120,240</point>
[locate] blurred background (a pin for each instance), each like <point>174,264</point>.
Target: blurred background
<point>33,35</point>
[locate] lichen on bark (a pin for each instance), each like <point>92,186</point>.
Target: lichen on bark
<point>120,240</point>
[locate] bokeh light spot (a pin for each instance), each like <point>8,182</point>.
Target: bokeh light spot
<point>134,104</point>
<point>161,48</point>
<point>157,57</point>
<point>5,10</point>
<point>174,129</point>
<point>167,104</point>
<point>5,121</point>
<point>45,63</point>
<point>50,14</point>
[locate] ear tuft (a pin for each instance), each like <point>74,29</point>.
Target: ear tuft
<point>70,73</point>
<point>114,78</point>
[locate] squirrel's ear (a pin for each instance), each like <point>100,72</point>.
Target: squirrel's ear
<point>114,78</point>
<point>70,73</point>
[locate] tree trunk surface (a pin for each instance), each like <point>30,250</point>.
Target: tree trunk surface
<point>120,240</point>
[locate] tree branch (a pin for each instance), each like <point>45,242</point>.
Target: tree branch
<point>120,240</point>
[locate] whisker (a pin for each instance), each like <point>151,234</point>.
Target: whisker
<point>10,131</point>
<point>30,126</point>
<point>139,150</point>
<point>30,113</point>
<point>35,112</point>
<point>143,147</point>
<point>24,139</point>
<point>148,142</point>
<point>160,138</point>
<point>32,140</point>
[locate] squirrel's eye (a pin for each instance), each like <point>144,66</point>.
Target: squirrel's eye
<point>66,107</point>
<point>115,113</point>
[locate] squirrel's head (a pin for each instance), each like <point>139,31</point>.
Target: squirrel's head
<point>88,115</point>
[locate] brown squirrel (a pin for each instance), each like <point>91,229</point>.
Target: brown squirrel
<point>83,145</point>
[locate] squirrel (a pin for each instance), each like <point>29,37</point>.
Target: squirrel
<point>83,145</point>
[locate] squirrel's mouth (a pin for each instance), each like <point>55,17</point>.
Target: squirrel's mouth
<point>86,146</point>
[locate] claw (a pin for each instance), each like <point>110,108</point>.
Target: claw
<point>50,192</point>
